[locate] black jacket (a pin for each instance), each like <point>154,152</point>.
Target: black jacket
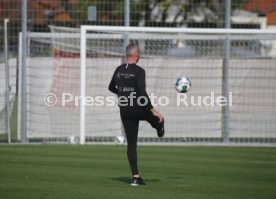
<point>127,80</point>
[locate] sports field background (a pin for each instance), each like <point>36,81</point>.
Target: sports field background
<point>102,171</point>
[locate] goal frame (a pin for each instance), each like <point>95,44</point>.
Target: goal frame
<point>83,45</point>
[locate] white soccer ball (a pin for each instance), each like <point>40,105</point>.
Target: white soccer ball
<point>120,139</point>
<point>72,140</point>
<point>183,84</point>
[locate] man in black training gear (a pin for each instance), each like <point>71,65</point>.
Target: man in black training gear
<point>129,83</point>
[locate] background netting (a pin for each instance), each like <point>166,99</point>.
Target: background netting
<point>12,92</point>
<point>54,67</point>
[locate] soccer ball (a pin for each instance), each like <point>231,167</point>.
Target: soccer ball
<point>183,84</point>
<point>120,139</point>
<point>72,140</point>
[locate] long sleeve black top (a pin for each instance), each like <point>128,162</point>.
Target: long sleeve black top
<point>130,79</point>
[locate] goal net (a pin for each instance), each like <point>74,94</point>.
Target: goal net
<point>232,99</point>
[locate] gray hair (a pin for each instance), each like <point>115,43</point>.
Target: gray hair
<point>132,49</point>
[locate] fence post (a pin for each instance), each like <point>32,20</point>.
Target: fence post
<point>23,72</point>
<point>225,74</point>
<point>7,74</point>
<point>126,21</point>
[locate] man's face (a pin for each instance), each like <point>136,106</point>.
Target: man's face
<point>138,56</point>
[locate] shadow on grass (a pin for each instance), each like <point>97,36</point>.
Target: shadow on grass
<point>127,180</point>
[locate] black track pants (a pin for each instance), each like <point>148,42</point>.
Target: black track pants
<point>130,119</point>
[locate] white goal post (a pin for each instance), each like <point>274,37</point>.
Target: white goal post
<point>76,65</point>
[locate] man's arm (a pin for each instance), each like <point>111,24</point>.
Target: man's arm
<point>143,92</point>
<point>142,88</point>
<point>112,85</point>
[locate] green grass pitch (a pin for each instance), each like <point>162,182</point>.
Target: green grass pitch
<point>102,172</point>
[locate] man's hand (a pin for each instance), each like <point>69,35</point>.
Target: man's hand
<point>156,113</point>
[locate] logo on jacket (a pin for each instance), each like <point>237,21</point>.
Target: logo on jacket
<point>118,75</point>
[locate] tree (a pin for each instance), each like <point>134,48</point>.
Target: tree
<point>162,11</point>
